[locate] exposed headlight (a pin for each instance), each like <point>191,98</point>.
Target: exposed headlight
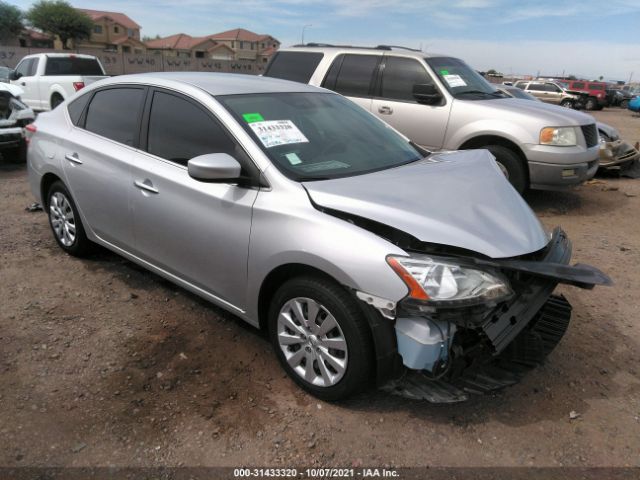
<point>444,283</point>
<point>560,136</point>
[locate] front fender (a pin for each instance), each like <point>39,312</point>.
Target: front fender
<point>495,128</point>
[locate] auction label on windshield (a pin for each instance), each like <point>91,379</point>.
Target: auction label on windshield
<point>454,80</point>
<point>278,132</point>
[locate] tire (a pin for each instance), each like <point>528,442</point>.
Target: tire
<point>56,99</point>
<point>567,103</point>
<point>624,104</point>
<point>306,345</point>
<point>511,165</point>
<point>591,104</point>
<point>65,222</point>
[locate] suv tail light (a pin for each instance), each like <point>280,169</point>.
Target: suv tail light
<point>78,85</point>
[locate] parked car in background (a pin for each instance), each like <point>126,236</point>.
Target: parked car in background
<point>613,150</point>
<point>14,116</point>
<point>4,74</point>
<point>618,98</point>
<point>364,257</point>
<point>50,78</point>
<point>634,104</point>
<point>441,103</point>
<point>554,93</point>
<point>597,98</point>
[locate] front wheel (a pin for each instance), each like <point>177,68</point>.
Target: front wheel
<point>65,221</point>
<point>591,104</point>
<point>321,337</point>
<point>567,104</point>
<point>511,165</point>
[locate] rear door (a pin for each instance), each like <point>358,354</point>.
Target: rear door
<point>353,75</point>
<point>394,103</point>
<point>97,155</point>
<point>195,230</point>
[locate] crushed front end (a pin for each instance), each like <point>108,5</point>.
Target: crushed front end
<point>474,325</point>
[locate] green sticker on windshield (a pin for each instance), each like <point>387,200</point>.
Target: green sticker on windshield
<point>252,117</point>
<point>444,72</point>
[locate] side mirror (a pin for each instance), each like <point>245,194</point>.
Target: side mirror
<point>13,75</point>
<point>214,167</point>
<point>426,93</point>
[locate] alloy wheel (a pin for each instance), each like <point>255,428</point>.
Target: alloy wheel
<point>62,219</point>
<point>312,342</point>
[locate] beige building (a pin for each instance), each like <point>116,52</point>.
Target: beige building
<point>237,44</point>
<point>112,31</point>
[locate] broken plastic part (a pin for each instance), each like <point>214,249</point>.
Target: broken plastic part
<point>386,307</point>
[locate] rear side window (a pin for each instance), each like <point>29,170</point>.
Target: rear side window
<point>351,75</point>
<point>537,87</point>
<point>295,66</point>
<point>72,66</point>
<point>25,67</point>
<point>179,130</point>
<point>113,113</point>
<point>77,107</point>
<point>596,87</point>
<point>400,75</point>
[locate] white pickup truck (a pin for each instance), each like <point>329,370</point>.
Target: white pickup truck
<point>50,78</point>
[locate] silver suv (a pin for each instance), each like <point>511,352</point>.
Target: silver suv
<point>364,257</point>
<point>554,93</point>
<point>441,103</point>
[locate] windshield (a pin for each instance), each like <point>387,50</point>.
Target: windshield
<point>319,136</point>
<point>461,80</point>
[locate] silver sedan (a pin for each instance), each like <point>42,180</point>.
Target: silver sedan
<point>366,258</point>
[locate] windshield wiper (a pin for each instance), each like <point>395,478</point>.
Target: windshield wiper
<point>312,178</point>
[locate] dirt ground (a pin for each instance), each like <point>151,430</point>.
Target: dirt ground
<point>102,363</point>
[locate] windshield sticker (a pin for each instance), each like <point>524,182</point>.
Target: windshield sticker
<point>444,72</point>
<point>277,132</point>
<point>293,158</point>
<point>455,81</point>
<point>328,165</point>
<point>252,117</point>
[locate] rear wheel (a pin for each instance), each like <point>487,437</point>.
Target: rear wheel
<point>65,221</point>
<point>321,337</point>
<point>511,165</point>
<point>56,99</point>
<point>624,103</point>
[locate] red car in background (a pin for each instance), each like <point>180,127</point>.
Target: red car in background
<point>596,90</point>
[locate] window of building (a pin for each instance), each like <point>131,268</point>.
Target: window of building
<point>113,113</point>
<point>199,54</point>
<point>116,29</point>
<point>97,29</point>
<point>131,32</point>
<point>241,45</point>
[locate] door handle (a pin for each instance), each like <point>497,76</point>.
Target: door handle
<point>146,185</point>
<point>73,157</point>
<point>385,110</point>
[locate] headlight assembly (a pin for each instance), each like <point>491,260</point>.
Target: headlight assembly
<point>444,283</point>
<point>558,136</point>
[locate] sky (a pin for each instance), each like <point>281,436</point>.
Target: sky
<point>586,38</point>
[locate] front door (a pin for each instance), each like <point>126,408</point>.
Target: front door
<point>425,125</point>
<point>196,231</point>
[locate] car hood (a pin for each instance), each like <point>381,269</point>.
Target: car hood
<point>547,114</point>
<point>14,90</point>
<point>460,199</point>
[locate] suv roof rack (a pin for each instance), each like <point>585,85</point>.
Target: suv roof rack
<point>378,47</point>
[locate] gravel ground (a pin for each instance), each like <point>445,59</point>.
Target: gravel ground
<point>102,363</point>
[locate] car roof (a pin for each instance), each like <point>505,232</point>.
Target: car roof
<point>217,83</point>
<point>382,50</point>
<point>62,55</point>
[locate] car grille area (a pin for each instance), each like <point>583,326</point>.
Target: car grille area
<point>590,133</point>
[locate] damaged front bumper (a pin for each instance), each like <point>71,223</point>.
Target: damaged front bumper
<point>448,353</point>
<point>617,153</point>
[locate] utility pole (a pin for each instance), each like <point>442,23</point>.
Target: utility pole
<point>304,27</point>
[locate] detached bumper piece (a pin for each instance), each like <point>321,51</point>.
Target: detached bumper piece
<point>526,351</point>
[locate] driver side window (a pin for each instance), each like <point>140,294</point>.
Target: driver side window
<point>400,75</point>
<point>25,67</point>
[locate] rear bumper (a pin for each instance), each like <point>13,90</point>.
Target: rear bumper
<point>11,137</point>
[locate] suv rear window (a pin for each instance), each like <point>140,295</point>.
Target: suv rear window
<point>295,66</point>
<point>72,66</point>
<point>351,75</point>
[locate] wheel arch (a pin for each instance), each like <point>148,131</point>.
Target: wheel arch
<point>485,140</point>
<point>48,179</point>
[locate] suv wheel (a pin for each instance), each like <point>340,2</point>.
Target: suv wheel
<point>567,103</point>
<point>511,165</point>
<point>65,221</point>
<point>591,104</point>
<point>321,337</point>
